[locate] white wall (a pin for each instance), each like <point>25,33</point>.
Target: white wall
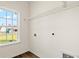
<point>16,49</point>
<point>65,26</point>
<point>42,6</point>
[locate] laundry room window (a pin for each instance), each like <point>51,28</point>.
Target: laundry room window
<point>9,26</point>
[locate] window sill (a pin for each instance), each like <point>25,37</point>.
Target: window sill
<point>10,43</point>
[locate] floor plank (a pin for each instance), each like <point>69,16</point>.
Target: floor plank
<point>27,55</point>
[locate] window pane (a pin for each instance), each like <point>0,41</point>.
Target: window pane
<point>9,32</point>
<point>2,33</point>
<point>9,22</point>
<point>2,29</point>
<point>14,36</point>
<point>15,33</point>
<point>0,21</point>
<point>2,13</point>
<point>3,21</point>
<point>14,22</point>
<point>9,15</point>
<point>9,36</point>
<point>1,36</point>
<point>4,36</point>
<point>15,16</point>
<point>15,30</point>
<point>15,19</point>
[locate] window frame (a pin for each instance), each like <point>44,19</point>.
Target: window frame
<point>18,27</point>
